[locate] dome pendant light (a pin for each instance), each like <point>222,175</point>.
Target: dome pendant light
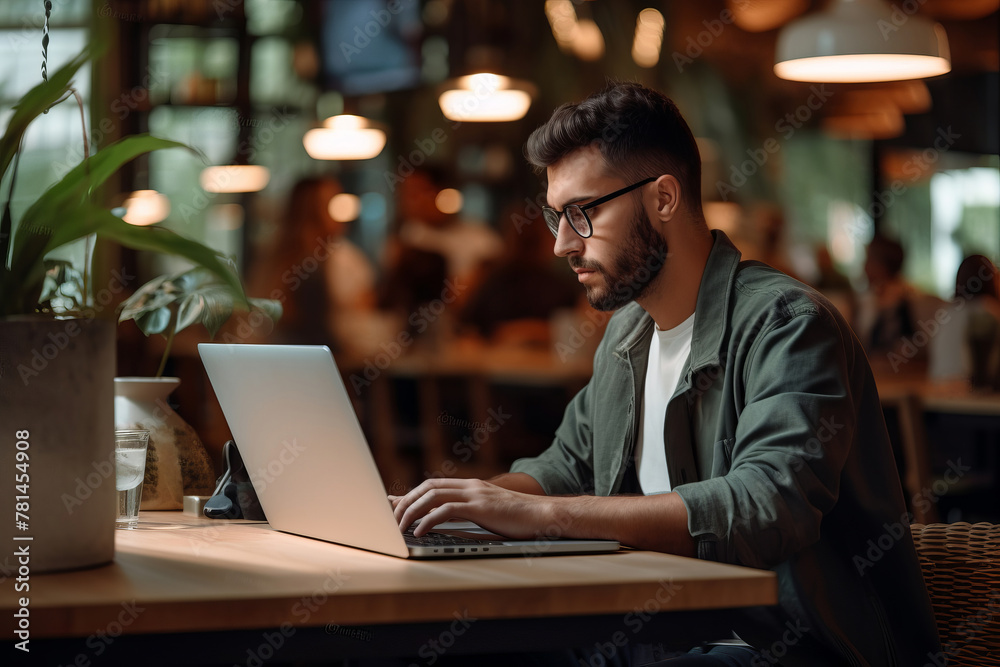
<point>857,41</point>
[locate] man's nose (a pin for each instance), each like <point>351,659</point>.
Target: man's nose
<point>567,240</point>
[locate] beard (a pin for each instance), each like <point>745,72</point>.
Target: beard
<point>633,269</point>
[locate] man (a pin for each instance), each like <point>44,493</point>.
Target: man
<point>731,416</point>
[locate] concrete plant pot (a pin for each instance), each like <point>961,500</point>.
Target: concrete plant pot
<point>57,407</point>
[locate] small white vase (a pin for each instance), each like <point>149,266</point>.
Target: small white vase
<point>177,463</point>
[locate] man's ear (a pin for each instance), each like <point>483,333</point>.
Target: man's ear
<point>668,197</point>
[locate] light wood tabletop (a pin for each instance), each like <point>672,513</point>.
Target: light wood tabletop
<point>179,573</point>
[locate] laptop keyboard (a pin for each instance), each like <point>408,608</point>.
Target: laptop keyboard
<point>433,539</point>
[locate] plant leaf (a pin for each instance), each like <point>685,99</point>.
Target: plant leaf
<point>52,214</point>
<point>150,296</point>
<point>153,321</point>
<point>160,239</point>
<point>212,305</point>
<point>270,307</point>
<point>34,102</point>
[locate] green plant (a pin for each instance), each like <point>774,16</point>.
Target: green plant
<point>169,304</point>
<point>66,211</point>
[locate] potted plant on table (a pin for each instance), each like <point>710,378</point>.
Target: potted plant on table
<point>177,463</point>
<point>57,346</point>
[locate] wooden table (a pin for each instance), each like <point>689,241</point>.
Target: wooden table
<point>226,588</point>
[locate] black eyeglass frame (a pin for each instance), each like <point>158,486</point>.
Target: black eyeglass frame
<point>553,216</point>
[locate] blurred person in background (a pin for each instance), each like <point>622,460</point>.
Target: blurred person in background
<point>892,311</point>
<point>466,246</point>
<point>966,347</point>
<point>518,297</point>
<point>322,279</point>
<point>833,284</point>
<point>769,244</point>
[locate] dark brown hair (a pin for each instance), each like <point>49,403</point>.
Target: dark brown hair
<point>639,132</point>
<point>976,276</point>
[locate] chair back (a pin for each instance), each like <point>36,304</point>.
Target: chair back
<point>961,567</point>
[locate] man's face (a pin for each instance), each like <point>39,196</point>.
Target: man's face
<point>619,263</point>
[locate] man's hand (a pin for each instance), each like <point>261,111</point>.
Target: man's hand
<point>509,513</point>
<point>658,522</point>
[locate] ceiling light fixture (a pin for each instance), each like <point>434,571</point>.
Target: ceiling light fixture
<point>235,178</point>
<point>146,207</point>
<point>486,97</point>
<point>763,16</point>
<point>648,38</point>
<point>856,41</point>
<point>881,123</point>
<point>344,137</point>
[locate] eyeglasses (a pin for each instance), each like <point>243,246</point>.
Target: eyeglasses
<point>576,215</point>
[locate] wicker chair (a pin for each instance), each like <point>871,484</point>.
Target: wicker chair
<point>961,568</point>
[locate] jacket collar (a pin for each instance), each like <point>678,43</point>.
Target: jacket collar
<point>711,318</point>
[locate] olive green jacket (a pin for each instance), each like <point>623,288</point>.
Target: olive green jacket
<point>777,446</point>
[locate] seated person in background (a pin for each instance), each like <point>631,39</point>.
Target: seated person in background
<point>519,295</point>
<point>767,222</point>
<point>731,416</point>
<point>322,279</point>
<point>466,245</point>
<point>967,345</point>
<point>833,284</point>
<point>892,310</point>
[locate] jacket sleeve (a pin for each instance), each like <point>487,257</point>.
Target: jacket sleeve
<point>792,440</point>
<point>566,467</point>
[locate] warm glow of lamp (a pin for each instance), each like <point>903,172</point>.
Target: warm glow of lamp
<point>344,137</point>
<point>761,15</point>
<point>486,97</point>
<point>724,215</point>
<point>562,19</point>
<point>882,123</point>
<point>344,207</point>
<point>448,201</point>
<point>588,41</point>
<point>146,207</point>
<point>235,178</point>
<point>861,40</point>
<point>648,38</point>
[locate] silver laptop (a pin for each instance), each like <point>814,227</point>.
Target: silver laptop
<point>310,463</point>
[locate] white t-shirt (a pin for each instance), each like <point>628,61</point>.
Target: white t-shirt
<point>668,351</point>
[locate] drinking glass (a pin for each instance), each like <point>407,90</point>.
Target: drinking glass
<point>130,468</point>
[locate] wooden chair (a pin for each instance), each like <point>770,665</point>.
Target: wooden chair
<point>961,567</point>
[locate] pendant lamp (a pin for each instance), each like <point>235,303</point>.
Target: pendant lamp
<point>861,40</point>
